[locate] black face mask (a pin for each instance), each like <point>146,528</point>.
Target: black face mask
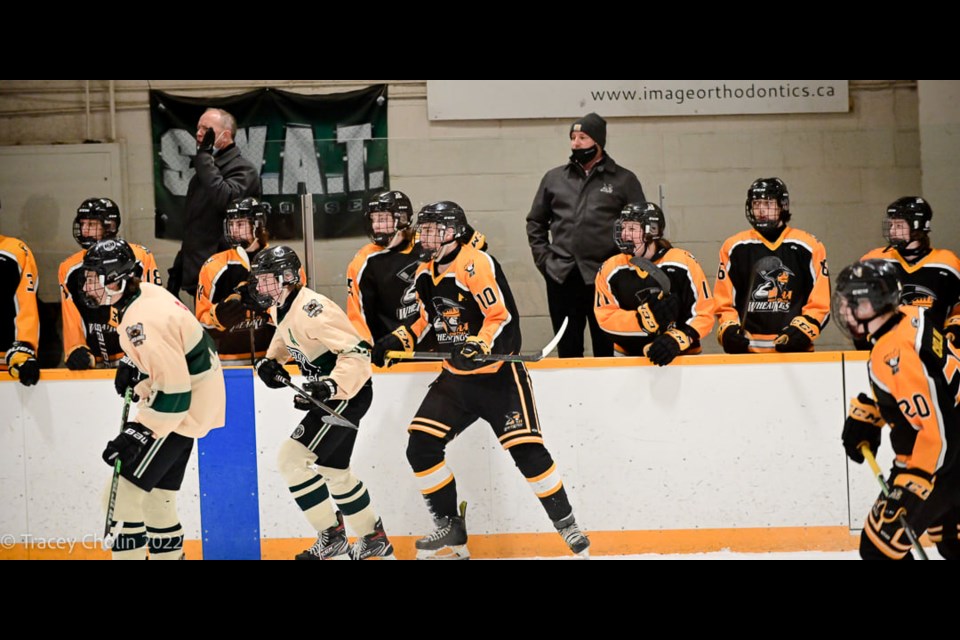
<point>583,156</point>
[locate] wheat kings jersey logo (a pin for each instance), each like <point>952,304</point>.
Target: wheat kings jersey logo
<point>408,301</point>
<point>772,291</point>
<point>448,324</point>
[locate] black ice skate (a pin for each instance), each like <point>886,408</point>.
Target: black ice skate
<point>571,534</point>
<point>373,546</point>
<point>330,545</point>
<point>448,542</point>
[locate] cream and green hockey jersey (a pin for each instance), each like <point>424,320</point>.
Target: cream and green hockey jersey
<point>316,333</point>
<point>184,390</point>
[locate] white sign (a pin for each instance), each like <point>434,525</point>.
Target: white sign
<point>505,99</point>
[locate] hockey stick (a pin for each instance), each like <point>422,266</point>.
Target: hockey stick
<point>655,272</point>
<point>490,357</point>
<point>112,502</point>
<point>333,419</point>
<point>868,455</point>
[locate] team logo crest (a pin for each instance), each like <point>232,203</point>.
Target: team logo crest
<point>917,296</point>
<point>606,188</point>
<point>313,308</point>
<point>892,360</point>
<point>447,321</point>
<point>513,421</point>
<point>773,292</point>
<point>298,432</point>
<point>471,270</point>
<point>136,335</point>
<point>408,301</point>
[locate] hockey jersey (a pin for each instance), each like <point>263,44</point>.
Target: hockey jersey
<point>915,374</point>
<point>316,333</point>
<point>619,282</point>
<point>93,328</point>
<point>219,276</point>
<point>183,391</point>
<point>470,297</point>
<point>794,281</point>
<point>19,317</point>
<point>932,282</point>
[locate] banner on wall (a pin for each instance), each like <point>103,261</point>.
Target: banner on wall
<point>335,144</point>
<point>507,99</point>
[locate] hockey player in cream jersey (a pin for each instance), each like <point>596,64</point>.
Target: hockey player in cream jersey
<point>182,398</point>
<point>316,333</point>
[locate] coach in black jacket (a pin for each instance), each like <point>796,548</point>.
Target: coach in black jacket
<point>570,230</point>
<point>222,176</point>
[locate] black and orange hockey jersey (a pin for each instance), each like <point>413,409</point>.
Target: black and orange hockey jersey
<point>618,283</point>
<point>915,374</point>
<point>19,318</point>
<point>932,282</point>
<point>94,328</point>
<point>797,284</point>
<point>470,298</point>
<point>219,276</point>
<point>380,292</point>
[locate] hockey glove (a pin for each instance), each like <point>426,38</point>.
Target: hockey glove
<point>799,336</point>
<point>272,373</point>
<point>863,424</point>
<point>399,340</point>
<point>128,445</point>
<point>229,311</point>
<point>321,390</point>
<point>665,348</point>
<point>22,363</point>
<point>732,338</point>
<point>469,355</point>
<point>246,297</point>
<point>128,375</point>
<point>657,311</point>
<point>80,359</point>
<point>206,145</point>
<point>909,491</point>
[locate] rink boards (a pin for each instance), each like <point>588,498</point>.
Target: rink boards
<point>709,453</point>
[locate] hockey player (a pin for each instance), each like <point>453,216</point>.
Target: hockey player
<point>224,306</point>
<point>773,286</point>
<point>182,393</point>
<point>629,305</point>
<point>930,277</point>
<point>380,292</point>
<point>915,375</point>
<point>19,317</point>
<point>89,337</point>
<point>465,298</point>
<point>315,460</point>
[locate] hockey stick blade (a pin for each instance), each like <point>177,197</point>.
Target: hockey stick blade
<point>333,419</point>
<point>655,272</point>
<point>490,357</point>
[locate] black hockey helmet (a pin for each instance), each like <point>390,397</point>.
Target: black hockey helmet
<point>873,281</point>
<point>651,219</point>
<point>395,202</point>
<point>280,261</point>
<point>113,261</point>
<point>105,211</point>
<point>916,211</point>
<point>246,209</point>
<point>447,215</point>
<point>768,189</point>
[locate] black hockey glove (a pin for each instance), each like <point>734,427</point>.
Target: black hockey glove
<point>128,375</point>
<point>229,311</point>
<point>797,337</point>
<point>80,359</point>
<point>863,424</point>
<point>128,445</point>
<point>668,346</point>
<point>399,340</point>
<point>22,363</point>
<point>321,390</point>
<point>657,312</point>
<point>732,338</point>
<point>908,492</point>
<point>246,297</point>
<point>206,145</point>
<point>469,355</point>
<point>272,373</point>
